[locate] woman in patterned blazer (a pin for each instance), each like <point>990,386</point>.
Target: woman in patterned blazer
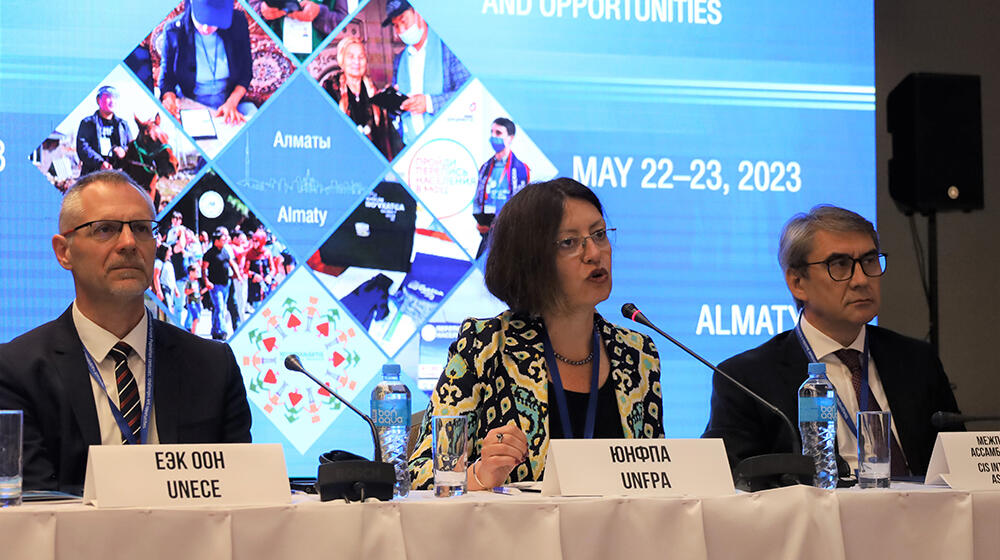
<point>550,366</point>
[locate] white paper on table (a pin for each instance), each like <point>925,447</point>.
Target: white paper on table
<point>297,35</point>
<point>198,124</point>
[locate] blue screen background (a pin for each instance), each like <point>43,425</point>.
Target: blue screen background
<point>776,88</point>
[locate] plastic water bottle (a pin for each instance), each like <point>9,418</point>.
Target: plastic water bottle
<point>818,425</point>
<point>391,414</point>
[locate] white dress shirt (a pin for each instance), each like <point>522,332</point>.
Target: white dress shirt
<point>838,373</point>
<point>99,342</point>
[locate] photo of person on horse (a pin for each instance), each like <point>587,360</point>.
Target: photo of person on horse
<point>118,126</point>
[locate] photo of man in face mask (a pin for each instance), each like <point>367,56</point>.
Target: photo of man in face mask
<point>499,178</point>
<point>426,70</point>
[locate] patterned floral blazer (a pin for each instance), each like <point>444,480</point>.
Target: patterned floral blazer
<point>496,374</point>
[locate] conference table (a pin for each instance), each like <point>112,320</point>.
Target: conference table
<point>906,521</point>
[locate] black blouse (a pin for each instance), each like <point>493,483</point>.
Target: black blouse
<point>608,423</point>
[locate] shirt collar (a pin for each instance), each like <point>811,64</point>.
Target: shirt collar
<point>414,51</point>
<point>823,345</point>
<point>99,341</point>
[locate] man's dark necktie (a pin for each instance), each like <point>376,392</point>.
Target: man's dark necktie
<point>852,359</point>
<point>128,389</point>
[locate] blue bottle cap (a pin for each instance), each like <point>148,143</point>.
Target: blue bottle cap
<point>816,368</point>
<point>392,369</point>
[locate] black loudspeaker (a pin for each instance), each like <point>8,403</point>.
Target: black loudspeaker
<point>937,143</point>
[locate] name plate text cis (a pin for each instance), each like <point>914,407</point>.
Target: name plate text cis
<point>966,461</point>
<point>183,475</point>
<point>666,467</point>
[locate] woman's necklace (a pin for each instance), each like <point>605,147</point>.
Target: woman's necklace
<point>566,360</point>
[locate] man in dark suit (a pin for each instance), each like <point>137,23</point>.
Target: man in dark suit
<point>832,267</point>
<point>105,372</point>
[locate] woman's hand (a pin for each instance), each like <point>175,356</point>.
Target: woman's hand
<point>503,449</point>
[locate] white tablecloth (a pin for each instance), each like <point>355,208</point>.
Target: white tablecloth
<point>799,522</point>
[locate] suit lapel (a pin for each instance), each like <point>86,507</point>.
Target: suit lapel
<point>523,343</point>
<point>793,360</point>
<point>165,390</point>
<point>887,373</point>
<point>69,360</point>
<point>524,351</point>
<point>619,356</point>
<point>893,379</point>
<point>791,371</point>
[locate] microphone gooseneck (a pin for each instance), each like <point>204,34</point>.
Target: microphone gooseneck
<point>293,363</point>
<point>944,420</point>
<point>631,312</point>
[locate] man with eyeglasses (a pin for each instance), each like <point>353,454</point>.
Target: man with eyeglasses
<point>88,377</point>
<point>833,267</point>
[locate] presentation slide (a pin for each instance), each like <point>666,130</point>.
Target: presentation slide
<point>352,154</point>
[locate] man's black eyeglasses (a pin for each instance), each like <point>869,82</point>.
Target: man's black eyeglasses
<point>841,267</point>
<point>106,230</point>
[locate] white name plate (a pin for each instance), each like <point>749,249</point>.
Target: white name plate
<point>662,467</point>
<point>966,461</point>
<point>183,475</point>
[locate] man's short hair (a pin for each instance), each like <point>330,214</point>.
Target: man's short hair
<point>71,208</point>
<point>797,236</point>
<point>507,124</point>
<point>219,233</point>
<point>521,266</point>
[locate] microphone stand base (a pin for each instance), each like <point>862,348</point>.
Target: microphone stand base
<point>355,481</point>
<point>776,470</point>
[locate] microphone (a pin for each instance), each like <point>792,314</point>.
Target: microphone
<point>763,471</point>
<point>351,480</point>
<point>947,420</point>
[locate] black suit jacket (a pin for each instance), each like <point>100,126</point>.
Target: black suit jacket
<point>911,373</point>
<point>198,397</point>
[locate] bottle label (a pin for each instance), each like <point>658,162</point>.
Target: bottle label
<point>817,409</point>
<point>394,412</point>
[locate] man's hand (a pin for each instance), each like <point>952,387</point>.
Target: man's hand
<point>483,229</point>
<point>230,113</point>
<point>270,13</point>
<point>118,151</point>
<point>415,103</point>
<point>170,104</point>
<point>105,165</point>
<point>308,12</point>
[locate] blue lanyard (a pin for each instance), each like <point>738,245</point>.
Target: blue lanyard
<point>550,360</point>
<point>862,398</point>
<point>506,172</point>
<point>147,403</point>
